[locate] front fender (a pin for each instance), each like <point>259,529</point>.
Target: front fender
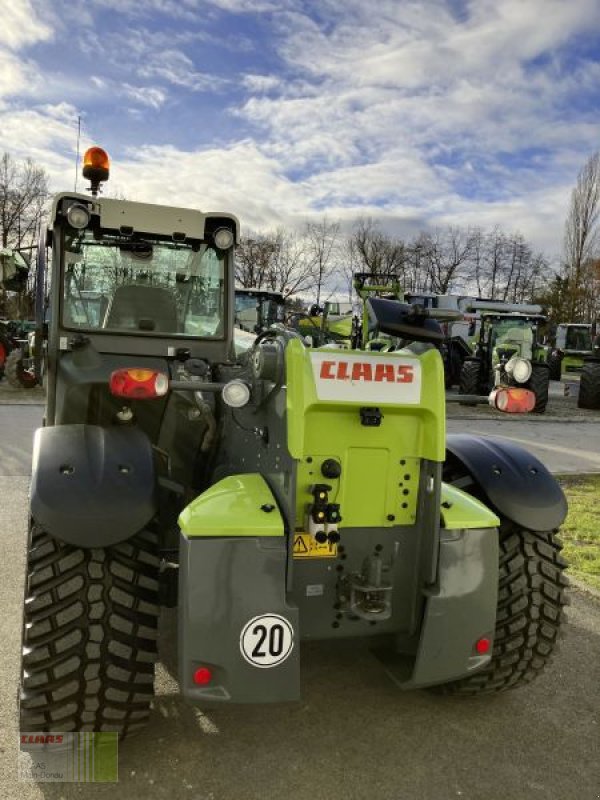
<point>92,486</point>
<point>513,482</point>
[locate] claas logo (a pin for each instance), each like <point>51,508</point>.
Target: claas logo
<point>41,738</point>
<point>366,371</point>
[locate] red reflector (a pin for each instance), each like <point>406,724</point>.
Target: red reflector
<point>483,646</point>
<point>138,384</point>
<point>202,676</point>
<point>512,400</point>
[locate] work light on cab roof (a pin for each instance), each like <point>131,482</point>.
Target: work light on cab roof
<point>96,167</point>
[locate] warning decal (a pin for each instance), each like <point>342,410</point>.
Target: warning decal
<point>306,546</point>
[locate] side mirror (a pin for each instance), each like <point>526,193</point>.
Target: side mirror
<point>13,271</point>
<point>472,328</point>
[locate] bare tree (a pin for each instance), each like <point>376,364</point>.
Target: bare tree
<point>280,260</point>
<point>375,251</point>
<point>348,264</point>
<point>292,268</point>
<point>23,195</point>
<point>322,240</point>
<point>23,192</point>
<point>253,257</point>
<point>494,261</point>
<point>581,235</point>
<point>447,253</point>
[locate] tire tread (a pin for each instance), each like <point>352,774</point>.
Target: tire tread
<point>531,601</point>
<point>69,640</point>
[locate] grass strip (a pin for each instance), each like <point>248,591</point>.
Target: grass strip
<point>580,532</point>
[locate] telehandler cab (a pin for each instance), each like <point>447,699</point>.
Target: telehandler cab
<point>300,494</point>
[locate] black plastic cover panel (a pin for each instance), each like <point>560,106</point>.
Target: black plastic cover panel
<point>92,486</point>
<point>402,320</point>
<point>516,484</point>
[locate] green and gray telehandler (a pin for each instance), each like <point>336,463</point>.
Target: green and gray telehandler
<point>299,494</point>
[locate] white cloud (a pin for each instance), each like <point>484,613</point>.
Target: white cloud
<point>17,75</point>
<point>21,25</point>
<point>252,6</point>
<point>409,111</point>
<point>175,9</point>
<point>145,95</point>
<point>261,83</point>
<point>239,179</point>
<point>47,134</point>
<point>175,67</point>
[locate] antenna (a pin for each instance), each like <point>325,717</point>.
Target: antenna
<point>77,154</point>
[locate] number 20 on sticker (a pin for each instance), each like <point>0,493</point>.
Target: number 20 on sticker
<point>267,640</point>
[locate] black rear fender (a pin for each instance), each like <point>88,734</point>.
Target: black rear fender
<point>514,483</point>
<point>92,486</point>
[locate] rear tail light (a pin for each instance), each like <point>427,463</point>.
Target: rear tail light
<point>138,384</point>
<point>202,676</point>
<point>483,645</point>
<point>512,400</point>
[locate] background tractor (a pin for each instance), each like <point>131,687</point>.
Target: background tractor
<point>16,338</point>
<point>298,494</point>
<point>508,353</point>
<point>462,332</point>
<point>258,309</point>
<point>331,322</point>
<point>572,344</point>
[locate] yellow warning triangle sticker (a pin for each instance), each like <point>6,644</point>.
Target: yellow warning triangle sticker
<point>300,545</point>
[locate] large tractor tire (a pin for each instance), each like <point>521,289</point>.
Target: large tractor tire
<point>16,374</point>
<point>555,366</point>
<point>89,635</point>
<point>531,599</point>
<point>470,382</point>
<point>589,386</point>
<point>539,384</point>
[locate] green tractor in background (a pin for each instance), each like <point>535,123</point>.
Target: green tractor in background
<point>453,349</point>
<point>18,365</point>
<point>14,271</point>
<point>331,322</point>
<point>256,310</point>
<point>296,494</point>
<point>577,351</point>
<point>572,344</point>
<point>508,353</point>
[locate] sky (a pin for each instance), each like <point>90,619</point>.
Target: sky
<point>418,113</point>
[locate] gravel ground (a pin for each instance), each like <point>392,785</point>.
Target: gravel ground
<point>20,397</point>
<point>560,407</point>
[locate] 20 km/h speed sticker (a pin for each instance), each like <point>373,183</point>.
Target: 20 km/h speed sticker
<point>267,640</point>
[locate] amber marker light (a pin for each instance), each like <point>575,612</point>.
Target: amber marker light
<point>96,167</point>
<point>512,400</point>
<point>138,384</point>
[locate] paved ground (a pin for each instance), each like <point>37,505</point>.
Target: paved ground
<point>17,424</point>
<point>562,446</point>
<point>353,736</point>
